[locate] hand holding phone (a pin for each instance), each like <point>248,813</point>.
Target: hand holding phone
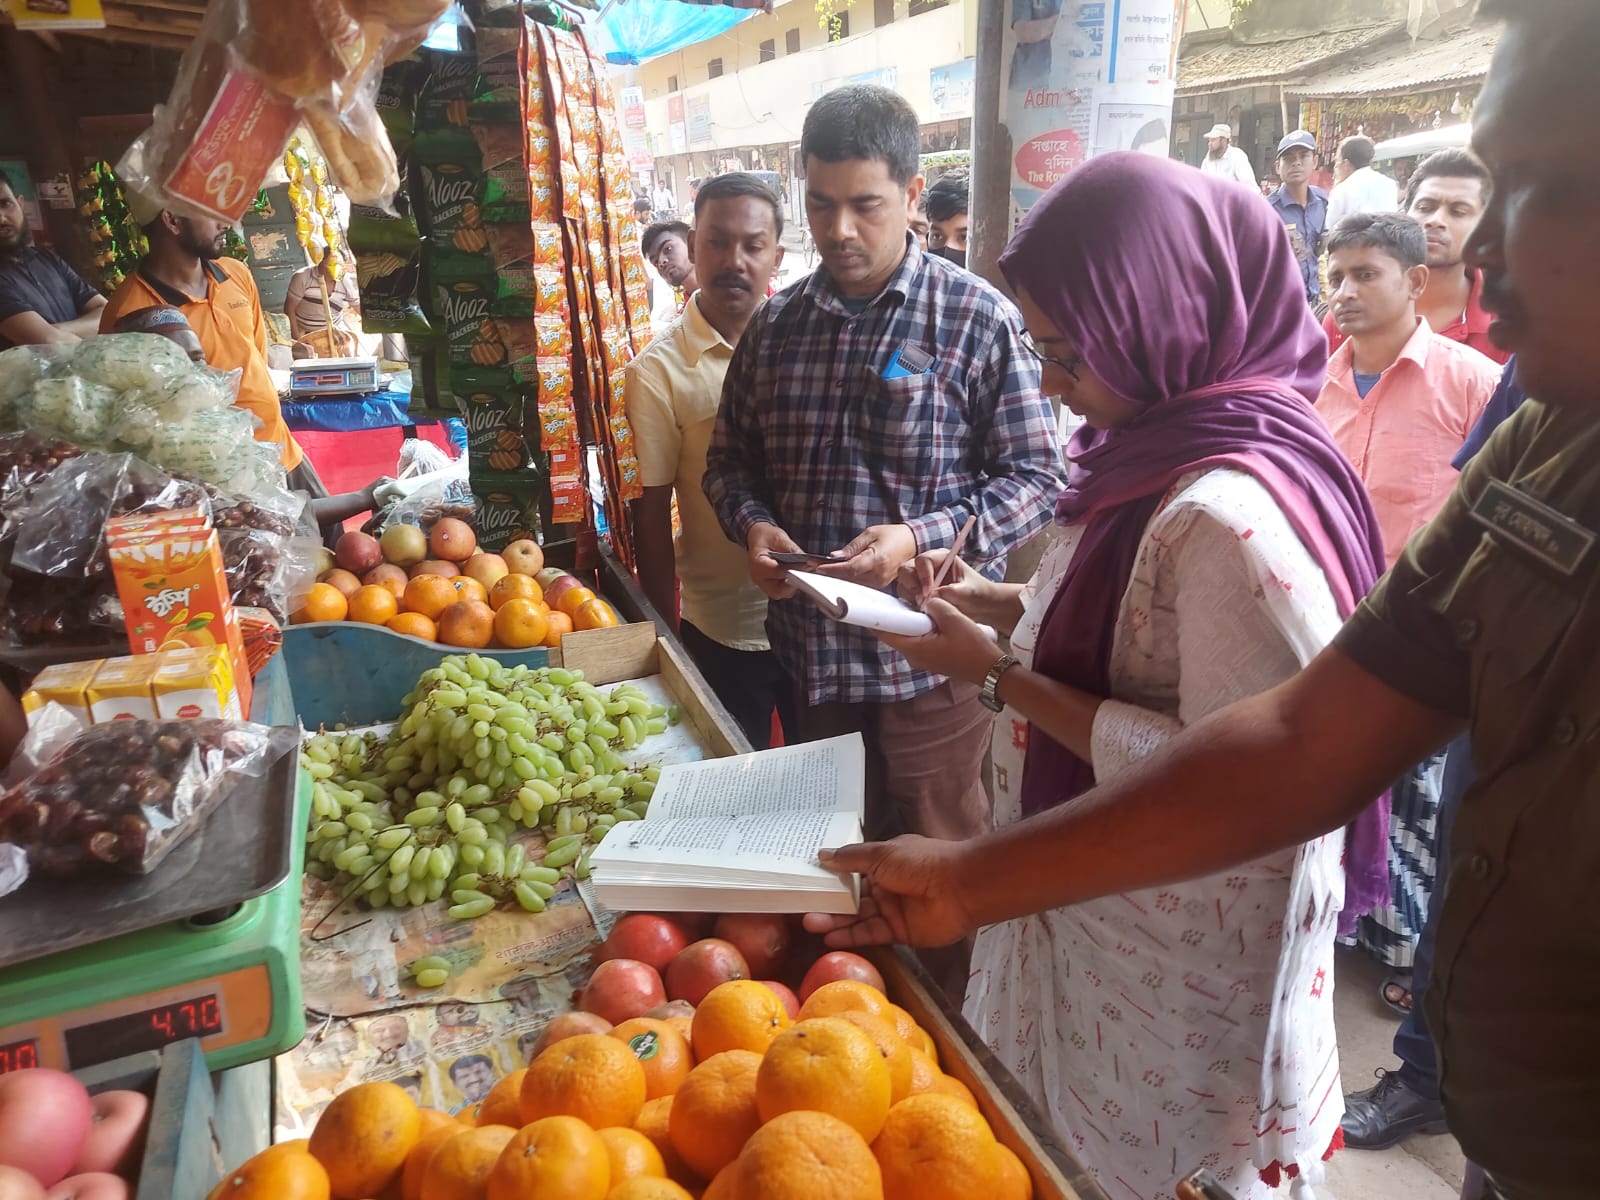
<point>786,558</point>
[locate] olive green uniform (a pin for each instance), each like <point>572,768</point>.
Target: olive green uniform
<point>1493,614</point>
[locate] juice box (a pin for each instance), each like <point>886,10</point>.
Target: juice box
<point>66,684</point>
<point>193,682</point>
<point>120,689</point>
<point>118,528</point>
<point>174,593</point>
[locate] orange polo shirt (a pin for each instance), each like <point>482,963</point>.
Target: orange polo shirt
<point>232,333</point>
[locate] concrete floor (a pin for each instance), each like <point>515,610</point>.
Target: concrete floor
<point>1420,1168</point>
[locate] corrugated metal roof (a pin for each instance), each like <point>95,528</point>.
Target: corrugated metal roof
<point>1229,65</point>
<point>1461,57</point>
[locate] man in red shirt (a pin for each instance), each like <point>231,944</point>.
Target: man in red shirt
<point>1447,195</point>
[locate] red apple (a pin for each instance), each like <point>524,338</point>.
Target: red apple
<point>791,1002</point>
<point>347,583</point>
<point>44,1120</point>
<point>434,566</point>
<point>621,989</point>
<point>404,545</point>
<point>763,939</point>
<point>524,556</point>
<point>386,575</point>
<point>545,576</point>
<point>97,1185</point>
<point>357,553</point>
<point>116,1135</point>
<point>702,966</point>
<point>835,965</point>
<point>452,539</point>
<point>559,587</point>
<point>645,938</point>
<point>569,1024</point>
<point>487,569</point>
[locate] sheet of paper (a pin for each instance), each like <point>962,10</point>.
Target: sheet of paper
<point>819,777</point>
<point>865,606</point>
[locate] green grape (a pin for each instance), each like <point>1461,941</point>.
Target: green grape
<point>529,899</point>
<point>471,911</point>
<point>432,978</point>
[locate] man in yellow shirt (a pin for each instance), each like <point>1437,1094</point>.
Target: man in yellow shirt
<point>186,269</point>
<point>673,389</point>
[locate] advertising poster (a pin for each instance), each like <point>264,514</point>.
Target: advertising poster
<point>1086,77</point>
<point>677,135</point>
<point>43,16</point>
<point>699,108</point>
<point>951,87</point>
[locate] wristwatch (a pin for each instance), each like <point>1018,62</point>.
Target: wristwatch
<point>991,683</point>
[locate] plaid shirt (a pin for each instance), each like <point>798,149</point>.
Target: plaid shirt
<point>812,437</point>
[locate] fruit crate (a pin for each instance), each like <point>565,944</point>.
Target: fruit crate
<point>198,1122</point>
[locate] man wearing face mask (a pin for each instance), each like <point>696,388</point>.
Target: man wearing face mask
<point>945,203</point>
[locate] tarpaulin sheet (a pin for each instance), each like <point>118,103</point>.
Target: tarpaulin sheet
<point>346,414</point>
<point>634,31</point>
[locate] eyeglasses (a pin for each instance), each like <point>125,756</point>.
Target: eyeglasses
<point>1069,365</point>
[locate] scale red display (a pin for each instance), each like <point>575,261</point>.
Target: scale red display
<point>150,1029</point>
<point>19,1056</point>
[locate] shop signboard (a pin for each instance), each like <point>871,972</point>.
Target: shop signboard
<point>677,134</point>
<point>951,89</point>
<point>631,100</point>
<point>699,109</point>
<point>48,16</point>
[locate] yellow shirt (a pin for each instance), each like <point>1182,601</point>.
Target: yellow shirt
<point>228,322</point>
<point>673,389</point>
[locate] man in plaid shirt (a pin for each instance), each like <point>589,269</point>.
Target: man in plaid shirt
<point>869,410</point>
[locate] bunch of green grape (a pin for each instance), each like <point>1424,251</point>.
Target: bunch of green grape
<point>481,753</point>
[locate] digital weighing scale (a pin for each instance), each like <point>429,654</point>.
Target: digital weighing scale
<point>333,376</point>
<point>230,978</point>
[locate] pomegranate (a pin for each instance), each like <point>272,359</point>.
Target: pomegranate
<point>357,553</point>
<point>672,1008</point>
<point>763,939</point>
<point>621,989</point>
<point>569,1024</point>
<point>839,964</point>
<point>646,937</point>
<point>702,966</point>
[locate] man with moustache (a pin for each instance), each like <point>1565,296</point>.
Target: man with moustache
<point>42,300</point>
<point>1302,208</point>
<point>673,389</point>
<point>1489,622</point>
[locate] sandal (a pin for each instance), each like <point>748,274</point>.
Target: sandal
<point>1395,991</point>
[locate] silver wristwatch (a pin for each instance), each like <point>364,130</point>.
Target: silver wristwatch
<point>991,682</point>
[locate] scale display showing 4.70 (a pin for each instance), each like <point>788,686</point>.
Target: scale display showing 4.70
<point>149,1029</point>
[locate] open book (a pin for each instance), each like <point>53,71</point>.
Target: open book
<point>854,604</point>
<point>741,834</point>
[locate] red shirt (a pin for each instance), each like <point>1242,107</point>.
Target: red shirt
<point>1471,328</point>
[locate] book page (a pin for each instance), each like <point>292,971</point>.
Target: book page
<point>785,843</point>
<point>819,777</point>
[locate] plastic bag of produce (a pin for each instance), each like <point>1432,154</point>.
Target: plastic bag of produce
<point>199,390</point>
<point>124,361</point>
<point>73,407</point>
<point>124,794</point>
<point>26,458</point>
<point>207,445</point>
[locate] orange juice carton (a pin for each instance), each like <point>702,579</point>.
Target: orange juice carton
<point>174,593</point>
<point>121,528</point>
<point>195,681</point>
<point>120,690</point>
<point>66,684</point>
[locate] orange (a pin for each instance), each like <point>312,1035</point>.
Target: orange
<point>738,1015</point>
<point>631,1155</point>
<point>363,1137</point>
<point>807,1155</point>
<point>429,595</point>
<point>282,1172</point>
<point>725,1186</point>
<point>685,1028</point>
<point>647,1188</point>
<point>936,1148</point>
<point>714,1112</point>
<point>435,1133</point>
<point>594,614</point>
<point>467,623</point>
<point>842,996</point>
<point>324,602</point>
<point>826,1065</point>
<point>560,624</point>
<point>557,1157</point>
<point>593,1077</point>
<point>574,598</point>
<point>416,625</point>
<point>468,588</point>
<point>655,1119</point>
<point>906,1026</point>
<point>661,1051</point>
<point>924,1074</point>
<point>460,1168</point>
<point>514,587</point>
<point>949,1085</point>
<point>1014,1183</point>
<point>503,1104</point>
<point>521,623</point>
<point>896,1054</point>
<point>373,604</point>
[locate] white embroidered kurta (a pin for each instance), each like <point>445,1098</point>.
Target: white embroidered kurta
<point>1190,1025</point>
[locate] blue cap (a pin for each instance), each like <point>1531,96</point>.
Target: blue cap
<point>1298,138</point>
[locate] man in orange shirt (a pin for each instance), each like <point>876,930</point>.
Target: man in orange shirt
<point>186,269</point>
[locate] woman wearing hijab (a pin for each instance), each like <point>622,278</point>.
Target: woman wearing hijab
<point>1211,539</point>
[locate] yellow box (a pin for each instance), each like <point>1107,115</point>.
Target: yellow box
<point>66,684</point>
<point>195,682</point>
<point>120,689</point>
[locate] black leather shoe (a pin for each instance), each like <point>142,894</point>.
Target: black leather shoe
<point>1387,1112</point>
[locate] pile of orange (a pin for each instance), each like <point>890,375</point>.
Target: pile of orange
<point>847,1103</point>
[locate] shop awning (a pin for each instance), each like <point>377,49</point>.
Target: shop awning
<point>634,31</point>
<point>1424,66</point>
<point>1224,67</point>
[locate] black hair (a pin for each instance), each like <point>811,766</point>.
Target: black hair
<point>864,121</point>
<point>1151,131</point>
<point>1448,164</point>
<point>946,197</point>
<point>1395,234</point>
<point>470,1060</point>
<point>1358,150</point>
<point>733,185</point>
<point>662,229</point>
<point>5,182</point>
<point>641,204</point>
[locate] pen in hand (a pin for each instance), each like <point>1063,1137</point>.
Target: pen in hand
<point>950,560</point>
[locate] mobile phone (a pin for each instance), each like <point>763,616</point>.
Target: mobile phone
<point>790,558</point>
<point>1202,1185</point>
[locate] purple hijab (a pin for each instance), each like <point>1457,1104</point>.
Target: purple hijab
<point>1181,292</point>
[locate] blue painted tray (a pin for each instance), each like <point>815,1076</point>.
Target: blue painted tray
<point>344,673</point>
